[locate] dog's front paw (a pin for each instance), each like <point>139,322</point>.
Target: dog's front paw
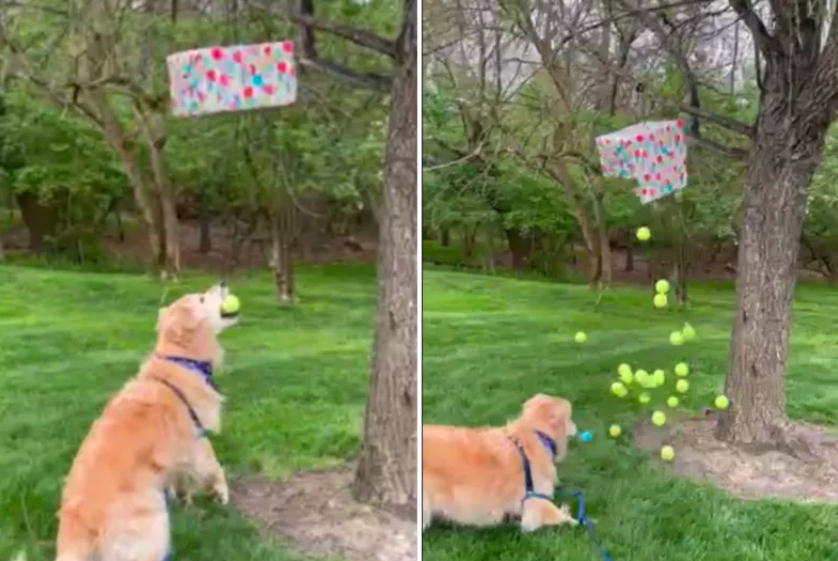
<point>567,516</point>
<point>221,492</point>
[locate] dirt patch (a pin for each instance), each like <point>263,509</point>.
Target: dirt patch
<point>811,476</point>
<point>315,514</point>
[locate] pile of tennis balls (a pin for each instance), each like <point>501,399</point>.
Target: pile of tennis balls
<point>639,381</point>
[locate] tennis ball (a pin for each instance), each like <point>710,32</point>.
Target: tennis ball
<point>623,369</point>
<point>643,233</point>
<point>688,332</point>
<point>662,286</point>
<point>722,402</point>
<point>627,377</point>
<point>676,338</point>
<point>644,398</point>
<point>615,430</point>
<point>658,377</point>
<point>667,453</point>
<point>230,305</point>
<point>681,369</point>
<point>672,402</point>
<point>642,378</point>
<point>581,337</point>
<point>617,388</point>
<point>682,386</point>
<point>658,418</point>
<point>659,300</point>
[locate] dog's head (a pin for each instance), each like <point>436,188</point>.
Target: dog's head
<point>192,322</point>
<point>552,416</point>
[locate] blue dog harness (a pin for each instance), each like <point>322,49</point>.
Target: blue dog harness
<point>529,490</point>
<point>204,368</point>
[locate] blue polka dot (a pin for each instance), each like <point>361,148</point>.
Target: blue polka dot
<point>257,80</point>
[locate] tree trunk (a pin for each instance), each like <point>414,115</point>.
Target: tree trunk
<point>518,247</point>
<point>629,256</point>
<point>786,151</point>
<point>144,196</point>
<point>204,223</point>
<point>282,260</point>
<point>469,241</point>
<point>603,248</point>
<point>153,127</point>
<point>170,264</point>
<point>40,219</point>
<point>444,236</point>
<point>386,474</point>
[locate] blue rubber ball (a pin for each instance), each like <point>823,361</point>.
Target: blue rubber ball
<point>585,436</point>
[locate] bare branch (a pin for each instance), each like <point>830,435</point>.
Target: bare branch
<point>34,7</point>
<point>767,44</point>
<point>360,37</point>
<point>371,80</point>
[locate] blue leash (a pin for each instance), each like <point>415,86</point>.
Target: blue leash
<point>529,492</point>
<point>583,519</point>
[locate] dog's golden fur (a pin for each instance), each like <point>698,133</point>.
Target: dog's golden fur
<point>113,506</point>
<point>475,475</point>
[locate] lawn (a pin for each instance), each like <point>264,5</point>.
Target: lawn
<point>490,343</point>
<point>295,381</point>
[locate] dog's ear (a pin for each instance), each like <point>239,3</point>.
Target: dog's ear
<point>161,313</point>
<point>179,322</point>
<point>552,415</point>
<point>536,402</point>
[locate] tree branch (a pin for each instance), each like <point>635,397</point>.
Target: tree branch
<point>767,44</point>
<point>360,37</point>
<point>309,56</point>
<point>371,80</point>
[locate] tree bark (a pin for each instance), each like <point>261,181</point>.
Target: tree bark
<point>386,474</point>
<point>144,195</point>
<point>786,151</point>
<point>518,247</point>
<point>282,260</point>
<point>40,219</point>
<point>204,224</point>
<point>153,127</point>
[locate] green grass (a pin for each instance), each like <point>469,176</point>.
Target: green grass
<point>490,343</point>
<point>295,381</point>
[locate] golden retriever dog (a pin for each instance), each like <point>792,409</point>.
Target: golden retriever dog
<point>114,504</point>
<point>478,476</point>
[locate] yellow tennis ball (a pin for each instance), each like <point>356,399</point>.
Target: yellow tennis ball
<point>644,379</point>
<point>662,286</point>
<point>658,418</point>
<point>623,369</point>
<point>659,300</point>
<point>658,377</point>
<point>682,386</point>
<point>676,338</point>
<point>581,337</point>
<point>618,388</point>
<point>627,377</point>
<point>230,305</point>
<point>722,402</point>
<point>688,332</point>
<point>672,402</point>
<point>615,430</point>
<point>644,398</point>
<point>681,369</point>
<point>643,233</point>
<point>667,453</point>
